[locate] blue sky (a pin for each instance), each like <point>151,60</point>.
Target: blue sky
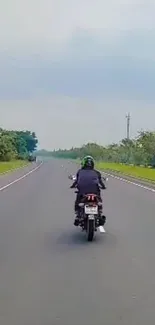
<point>70,70</point>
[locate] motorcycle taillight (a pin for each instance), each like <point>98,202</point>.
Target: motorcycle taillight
<point>91,197</point>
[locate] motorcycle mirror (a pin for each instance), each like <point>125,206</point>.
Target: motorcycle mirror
<point>72,177</point>
<point>105,179</point>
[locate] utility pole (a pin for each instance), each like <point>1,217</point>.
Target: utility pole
<point>128,117</point>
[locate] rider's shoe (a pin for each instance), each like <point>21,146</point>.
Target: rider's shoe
<point>102,220</point>
<point>76,220</point>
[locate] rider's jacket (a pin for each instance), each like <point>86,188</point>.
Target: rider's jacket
<point>88,180</point>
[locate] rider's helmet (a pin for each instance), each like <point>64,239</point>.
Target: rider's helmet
<point>87,161</point>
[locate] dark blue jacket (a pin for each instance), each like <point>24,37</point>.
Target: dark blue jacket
<point>88,181</point>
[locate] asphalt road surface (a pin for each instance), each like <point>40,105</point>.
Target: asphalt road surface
<point>50,274</point>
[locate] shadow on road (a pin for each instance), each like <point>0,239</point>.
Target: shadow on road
<point>73,239</point>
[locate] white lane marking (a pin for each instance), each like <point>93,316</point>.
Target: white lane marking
<point>20,178</point>
<point>130,182</point>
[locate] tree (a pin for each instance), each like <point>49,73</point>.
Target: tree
<point>138,151</point>
<point>30,140</point>
<point>7,149</point>
<point>16,144</point>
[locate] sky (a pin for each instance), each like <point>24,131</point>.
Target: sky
<point>71,70</point>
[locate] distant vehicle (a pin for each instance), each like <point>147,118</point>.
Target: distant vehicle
<point>32,158</point>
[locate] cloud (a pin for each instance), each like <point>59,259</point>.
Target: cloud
<point>86,68</point>
<point>63,60</point>
<point>33,24</point>
<point>77,48</point>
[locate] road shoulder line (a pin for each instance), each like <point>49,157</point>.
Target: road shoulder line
<point>130,182</point>
<point>20,178</point>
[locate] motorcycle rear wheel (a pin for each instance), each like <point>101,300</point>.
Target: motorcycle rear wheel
<point>90,230</point>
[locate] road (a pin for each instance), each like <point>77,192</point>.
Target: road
<point>50,274</point>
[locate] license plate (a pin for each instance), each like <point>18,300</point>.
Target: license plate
<point>91,217</point>
<point>91,210</point>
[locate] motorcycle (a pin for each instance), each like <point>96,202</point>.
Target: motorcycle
<point>90,214</point>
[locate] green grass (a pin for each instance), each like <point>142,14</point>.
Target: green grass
<point>5,167</point>
<point>134,171</point>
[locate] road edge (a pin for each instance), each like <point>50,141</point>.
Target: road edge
<point>21,177</point>
<point>129,179</point>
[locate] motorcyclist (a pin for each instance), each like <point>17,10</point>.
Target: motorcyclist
<point>87,181</point>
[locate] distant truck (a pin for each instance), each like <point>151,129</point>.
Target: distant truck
<point>32,158</point>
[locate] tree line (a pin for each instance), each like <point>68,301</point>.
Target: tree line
<point>137,151</point>
<point>17,144</point>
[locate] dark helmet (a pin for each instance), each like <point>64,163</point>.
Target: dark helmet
<point>88,161</point>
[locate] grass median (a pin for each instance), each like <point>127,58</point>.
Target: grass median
<point>133,171</point>
<point>6,167</point>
